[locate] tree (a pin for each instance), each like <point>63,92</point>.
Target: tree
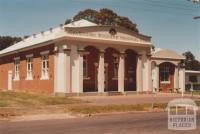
<point>68,21</point>
<point>105,17</point>
<point>6,41</point>
<point>190,62</point>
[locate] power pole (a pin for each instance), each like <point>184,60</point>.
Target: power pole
<point>196,2</point>
<point>196,17</point>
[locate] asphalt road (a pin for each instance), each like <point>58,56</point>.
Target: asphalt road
<point>140,123</point>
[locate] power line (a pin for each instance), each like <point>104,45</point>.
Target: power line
<point>136,8</point>
<point>156,4</point>
<point>172,3</point>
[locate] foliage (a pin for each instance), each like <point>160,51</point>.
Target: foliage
<point>105,17</point>
<point>191,63</point>
<point>6,41</point>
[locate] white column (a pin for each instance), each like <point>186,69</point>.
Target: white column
<point>149,75</point>
<point>77,69</point>
<point>101,77</point>
<point>80,71</point>
<point>176,79</point>
<point>68,70</point>
<point>182,79</point>
<point>121,72</point>
<point>139,74</point>
<point>62,70</point>
<point>157,78</point>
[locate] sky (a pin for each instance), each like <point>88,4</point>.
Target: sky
<point>170,23</point>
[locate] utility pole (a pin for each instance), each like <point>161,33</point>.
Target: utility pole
<point>196,17</point>
<point>196,2</point>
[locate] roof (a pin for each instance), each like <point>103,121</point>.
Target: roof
<point>33,40</point>
<point>167,54</point>
<point>46,36</point>
<point>81,23</point>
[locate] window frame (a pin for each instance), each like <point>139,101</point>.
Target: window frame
<point>44,65</point>
<point>29,63</point>
<point>85,68</point>
<point>17,68</point>
<point>165,73</point>
<point>115,65</point>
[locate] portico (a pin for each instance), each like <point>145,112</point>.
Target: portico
<point>102,62</point>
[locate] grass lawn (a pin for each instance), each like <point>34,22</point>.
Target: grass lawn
<point>93,109</point>
<point>18,103</point>
<point>19,99</point>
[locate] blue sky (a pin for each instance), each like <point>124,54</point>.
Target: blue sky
<point>169,22</point>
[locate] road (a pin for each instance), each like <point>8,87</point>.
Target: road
<point>140,123</point>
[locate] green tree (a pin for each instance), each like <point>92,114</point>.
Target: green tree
<point>190,62</point>
<point>6,41</point>
<point>105,17</point>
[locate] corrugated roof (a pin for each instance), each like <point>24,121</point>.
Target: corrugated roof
<point>45,36</point>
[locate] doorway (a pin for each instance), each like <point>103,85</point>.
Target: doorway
<point>106,77</point>
<point>10,80</point>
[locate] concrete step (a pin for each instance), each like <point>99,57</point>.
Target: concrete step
<point>114,93</point>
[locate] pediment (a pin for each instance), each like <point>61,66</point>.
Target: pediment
<point>108,33</point>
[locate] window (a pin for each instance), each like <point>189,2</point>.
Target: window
<point>45,66</point>
<point>116,65</point>
<point>164,73</point>
<point>17,63</point>
<point>29,68</point>
<point>85,67</point>
<point>192,78</point>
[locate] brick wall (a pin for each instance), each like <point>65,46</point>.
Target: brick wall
<point>36,85</point>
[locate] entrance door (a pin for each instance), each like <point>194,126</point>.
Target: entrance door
<point>130,70</point>
<point>9,80</point>
<point>131,80</point>
<point>96,76</point>
<point>106,77</point>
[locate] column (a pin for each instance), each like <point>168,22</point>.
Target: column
<point>80,71</point>
<point>121,72</point>
<point>149,74</point>
<point>139,73</point>
<point>182,79</point>
<point>62,69</point>
<point>68,70</point>
<point>176,86</point>
<point>157,78</point>
<point>77,69</point>
<point>101,77</point>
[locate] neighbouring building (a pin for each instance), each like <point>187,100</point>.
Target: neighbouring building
<point>192,80</point>
<point>85,57</point>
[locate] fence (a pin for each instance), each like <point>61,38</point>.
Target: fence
<point>194,86</point>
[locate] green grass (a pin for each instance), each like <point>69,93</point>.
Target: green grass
<point>92,109</point>
<point>18,103</point>
<point>18,99</point>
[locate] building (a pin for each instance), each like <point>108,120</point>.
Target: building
<point>85,57</point>
<point>192,80</point>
